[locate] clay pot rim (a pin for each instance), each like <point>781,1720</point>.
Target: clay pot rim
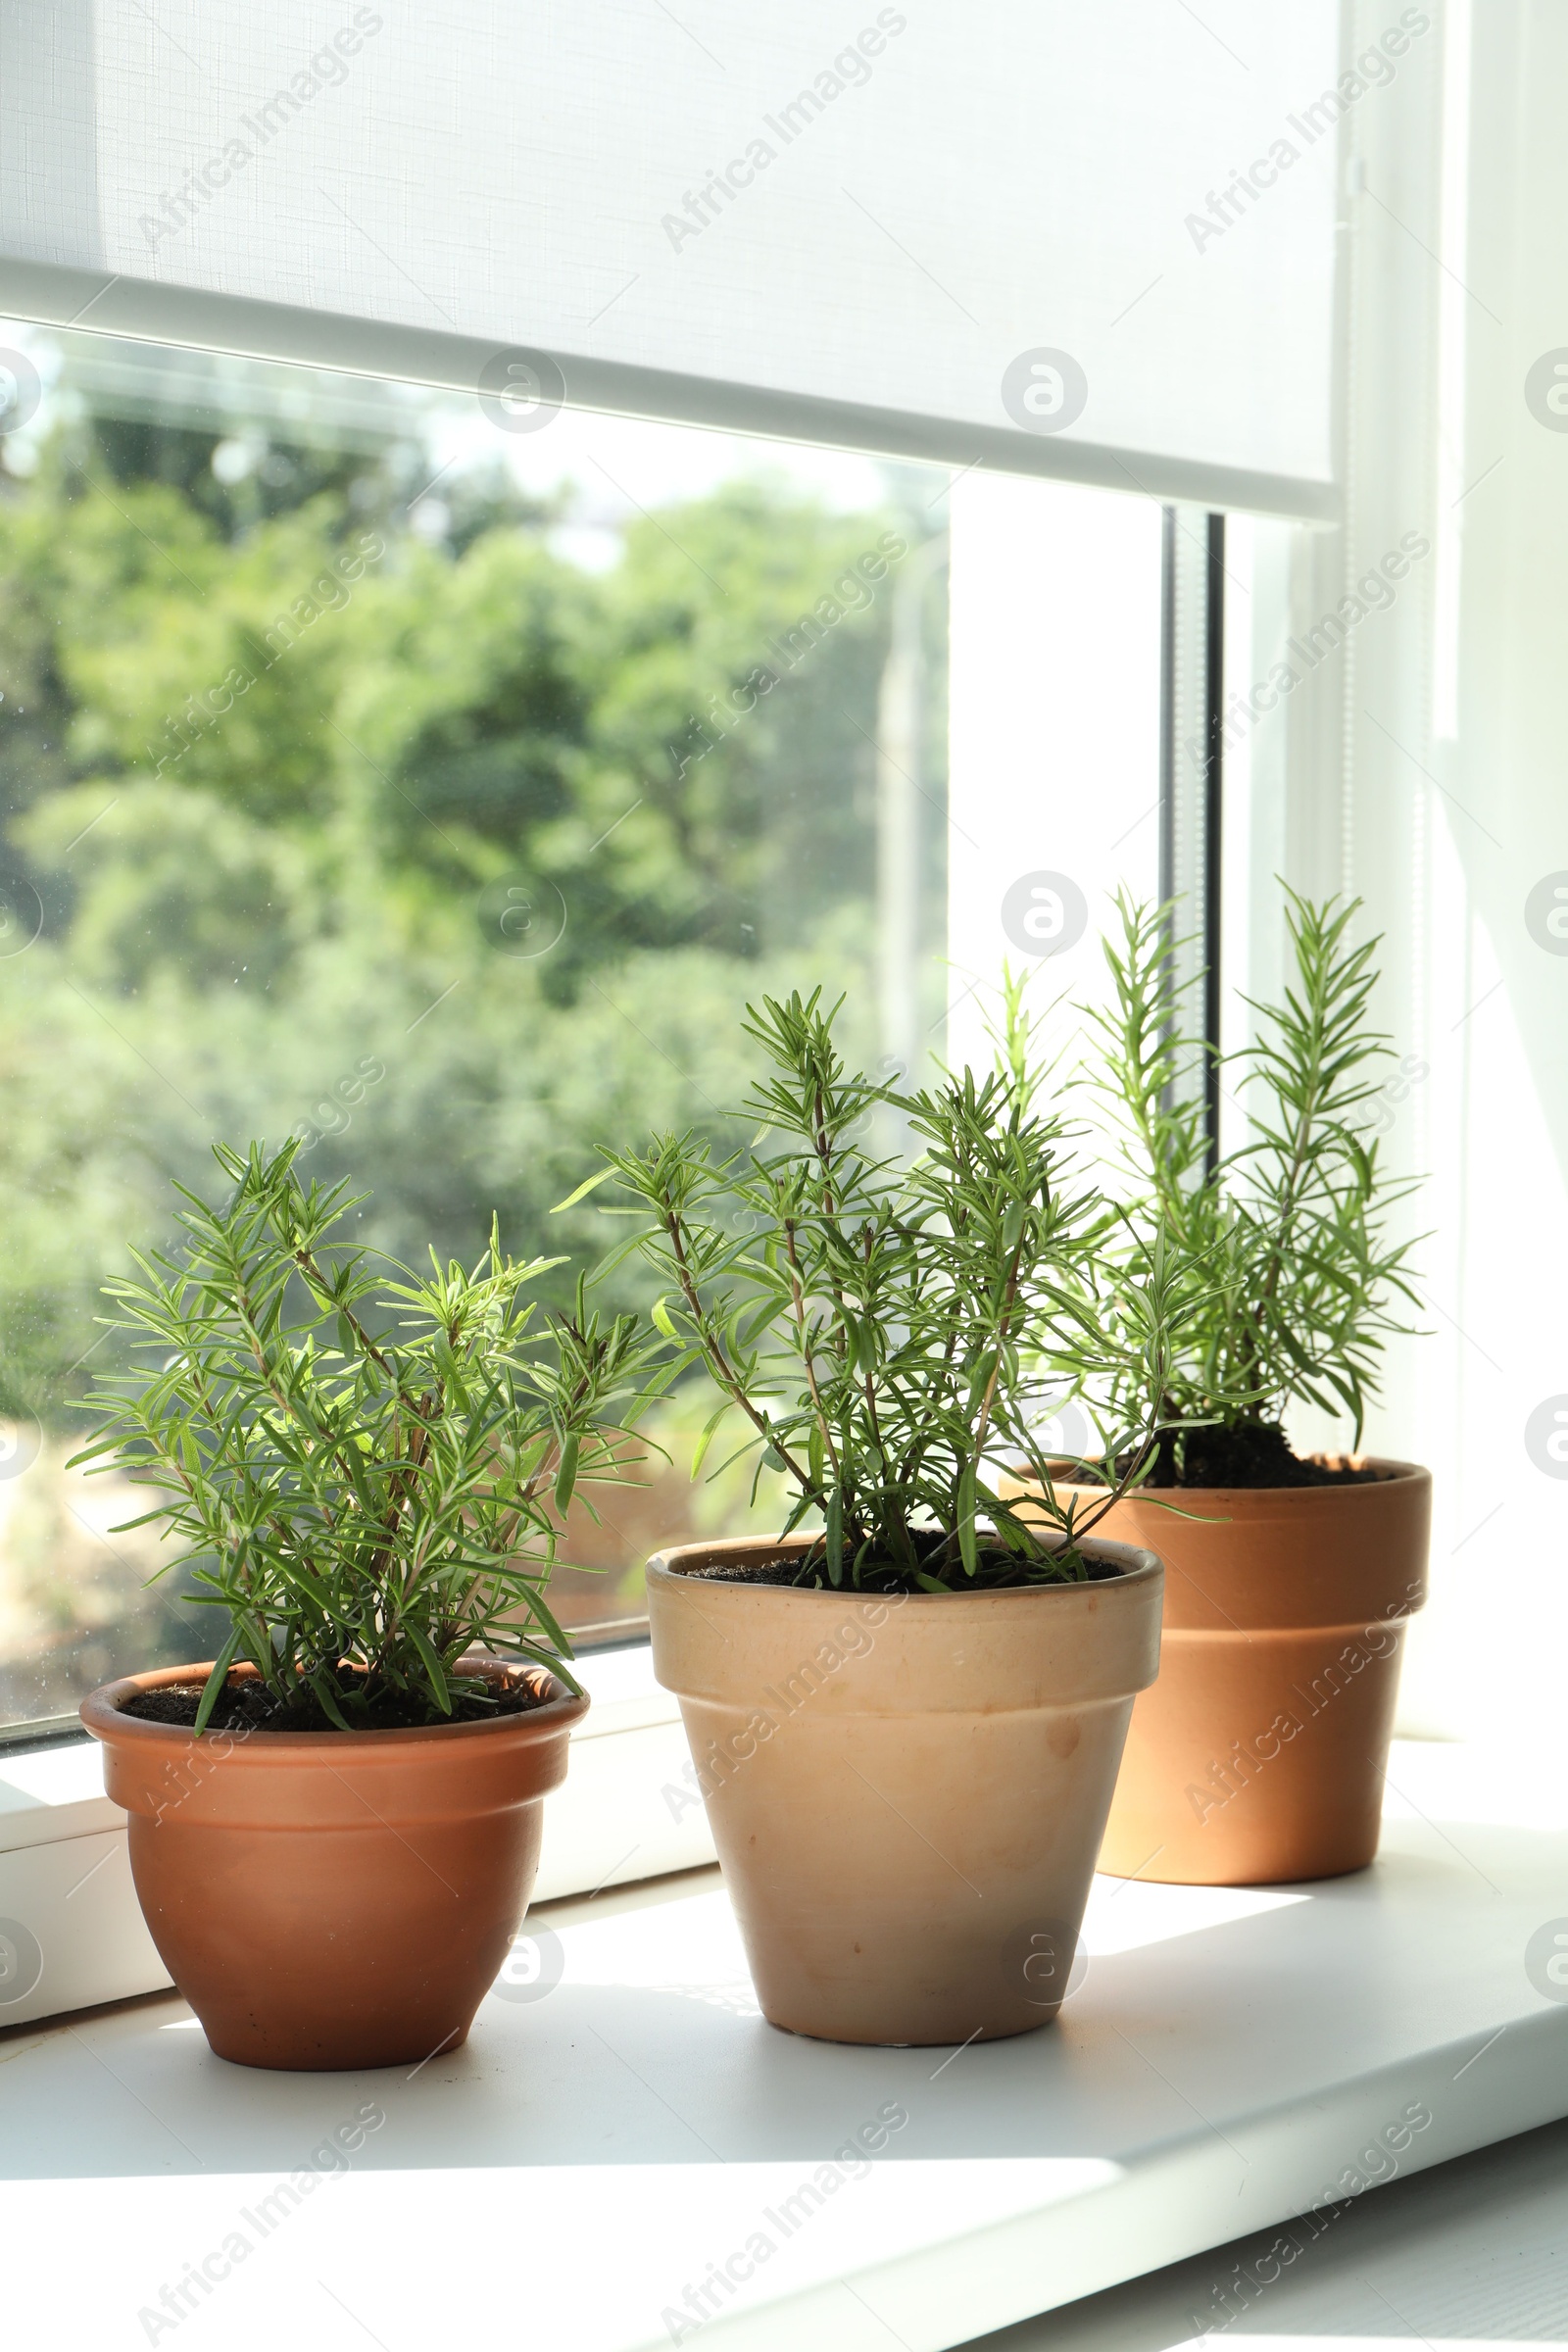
<point>1392,1473</point>
<point>103,1713</point>
<point>1144,1567</point>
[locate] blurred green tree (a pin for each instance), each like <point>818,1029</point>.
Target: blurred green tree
<point>446,852</point>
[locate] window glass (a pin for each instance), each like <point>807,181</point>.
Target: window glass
<point>436,785</point>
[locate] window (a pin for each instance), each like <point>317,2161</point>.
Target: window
<point>388,767</point>
<point>439,792</point>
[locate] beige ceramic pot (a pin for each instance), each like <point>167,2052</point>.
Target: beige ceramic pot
<point>334,1899</point>
<point>1259,1755</point>
<point>906,1793</point>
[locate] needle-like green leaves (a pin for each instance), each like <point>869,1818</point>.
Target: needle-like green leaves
<point>1290,1283</point>
<point>366,1468</point>
<point>879,1329</point>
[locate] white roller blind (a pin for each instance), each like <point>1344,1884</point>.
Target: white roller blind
<point>880,208</point>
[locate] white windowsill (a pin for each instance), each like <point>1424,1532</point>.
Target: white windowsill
<point>1229,2053</point>
<point>1472,2253</point>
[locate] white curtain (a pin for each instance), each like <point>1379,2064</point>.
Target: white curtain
<point>1104,236</point>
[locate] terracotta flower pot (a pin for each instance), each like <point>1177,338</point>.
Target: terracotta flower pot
<point>906,1793</point>
<point>333,1900</point>
<point>1259,1754</point>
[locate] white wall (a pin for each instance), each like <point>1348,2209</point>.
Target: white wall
<point>1498,1112</point>
<point>1424,768</point>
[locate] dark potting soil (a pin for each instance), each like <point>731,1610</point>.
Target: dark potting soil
<point>245,1706</point>
<point>998,1572</point>
<point>1254,1454</point>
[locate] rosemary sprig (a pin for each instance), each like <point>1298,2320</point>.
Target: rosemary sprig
<point>368,1468</point>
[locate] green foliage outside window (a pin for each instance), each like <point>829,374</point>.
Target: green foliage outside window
<point>275,759</point>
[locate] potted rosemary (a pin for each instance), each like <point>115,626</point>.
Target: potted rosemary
<point>906,1711</point>
<point>334,1826</point>
<point>1260,1754</point>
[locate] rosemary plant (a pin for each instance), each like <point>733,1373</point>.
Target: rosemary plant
<point>368,1473</point>
<point>1298,1282</point>
<point>876,1326</point>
